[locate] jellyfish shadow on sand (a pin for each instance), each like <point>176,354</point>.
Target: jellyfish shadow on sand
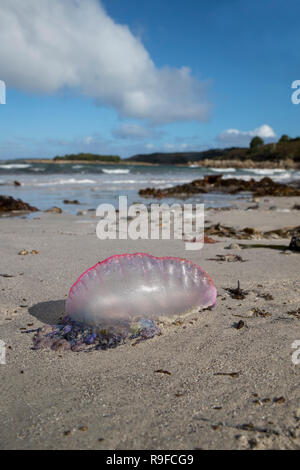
<point>60,332</point>
<point>50,313</point>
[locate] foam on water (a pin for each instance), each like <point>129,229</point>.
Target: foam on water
<point>14,166</point>
<point>117,171</point>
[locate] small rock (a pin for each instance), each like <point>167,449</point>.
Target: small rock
<point>66,201</point>
<point>240,325</point>
<point>23,252</point>
<point>9,204</point>
<point>54,210</point>
<point>243,440</point>
<point>295,243</point>
<point>279,400</point>
<point>233,246</point>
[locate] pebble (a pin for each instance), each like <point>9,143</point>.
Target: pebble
<point>233,246</point>
<point>54,210</point>
<point>23,252</point>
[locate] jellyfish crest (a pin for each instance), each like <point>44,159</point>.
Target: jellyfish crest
<point>127,287</point>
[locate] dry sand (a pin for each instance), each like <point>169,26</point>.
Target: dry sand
<point>115,396</point>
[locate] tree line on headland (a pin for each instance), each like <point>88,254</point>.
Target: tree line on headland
<point>285,150</point>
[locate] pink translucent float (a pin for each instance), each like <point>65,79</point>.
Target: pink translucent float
<point>125,288</point>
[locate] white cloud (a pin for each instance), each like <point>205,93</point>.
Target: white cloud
<point>132,131</point>
<point>237,137</point>
<point>48,45</point>
<point>88,140</point>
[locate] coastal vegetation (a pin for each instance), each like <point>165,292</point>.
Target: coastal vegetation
<point>284,153</point>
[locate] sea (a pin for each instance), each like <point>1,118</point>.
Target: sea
<point>45,185</point>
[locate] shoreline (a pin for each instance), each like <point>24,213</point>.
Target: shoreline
<point>286,164</point>
<point>248,164</point>
<point>84,162</point>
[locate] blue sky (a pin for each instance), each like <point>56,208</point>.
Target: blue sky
<point>117,77</point>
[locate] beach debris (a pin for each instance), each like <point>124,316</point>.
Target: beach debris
<point>114,292</point>
<point>229,258</point>
<point>279,400</point>
<point>237,293</point>
<point>7,275</point>
<point>205,239</point>
<point>211,183</point>
<point>162,371</point>
<point>26,252</point>
<point>250,233</point>
<point>295,313</point>
<point>295,243</point>
<point>83,428</point>
<point>54,210</point>
<point>23,252</point>
<point>9,204</point>
<point>233,375</point>
<point>265,296</point>
<point>257,312</point>
<point>296,207</point>
<point>240,325</point>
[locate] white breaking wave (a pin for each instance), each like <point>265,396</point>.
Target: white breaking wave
<point>117,171</point>
<point>257,177</point>
<point>65,182</point>
<point>12,166</point>
<point>223,170</point>
<point>266,171</point>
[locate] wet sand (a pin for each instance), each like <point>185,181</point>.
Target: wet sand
<point>229,387</point>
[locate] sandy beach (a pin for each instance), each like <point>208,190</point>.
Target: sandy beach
<point>229,380</point>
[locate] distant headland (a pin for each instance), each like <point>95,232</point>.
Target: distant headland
<point>283,154</point>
